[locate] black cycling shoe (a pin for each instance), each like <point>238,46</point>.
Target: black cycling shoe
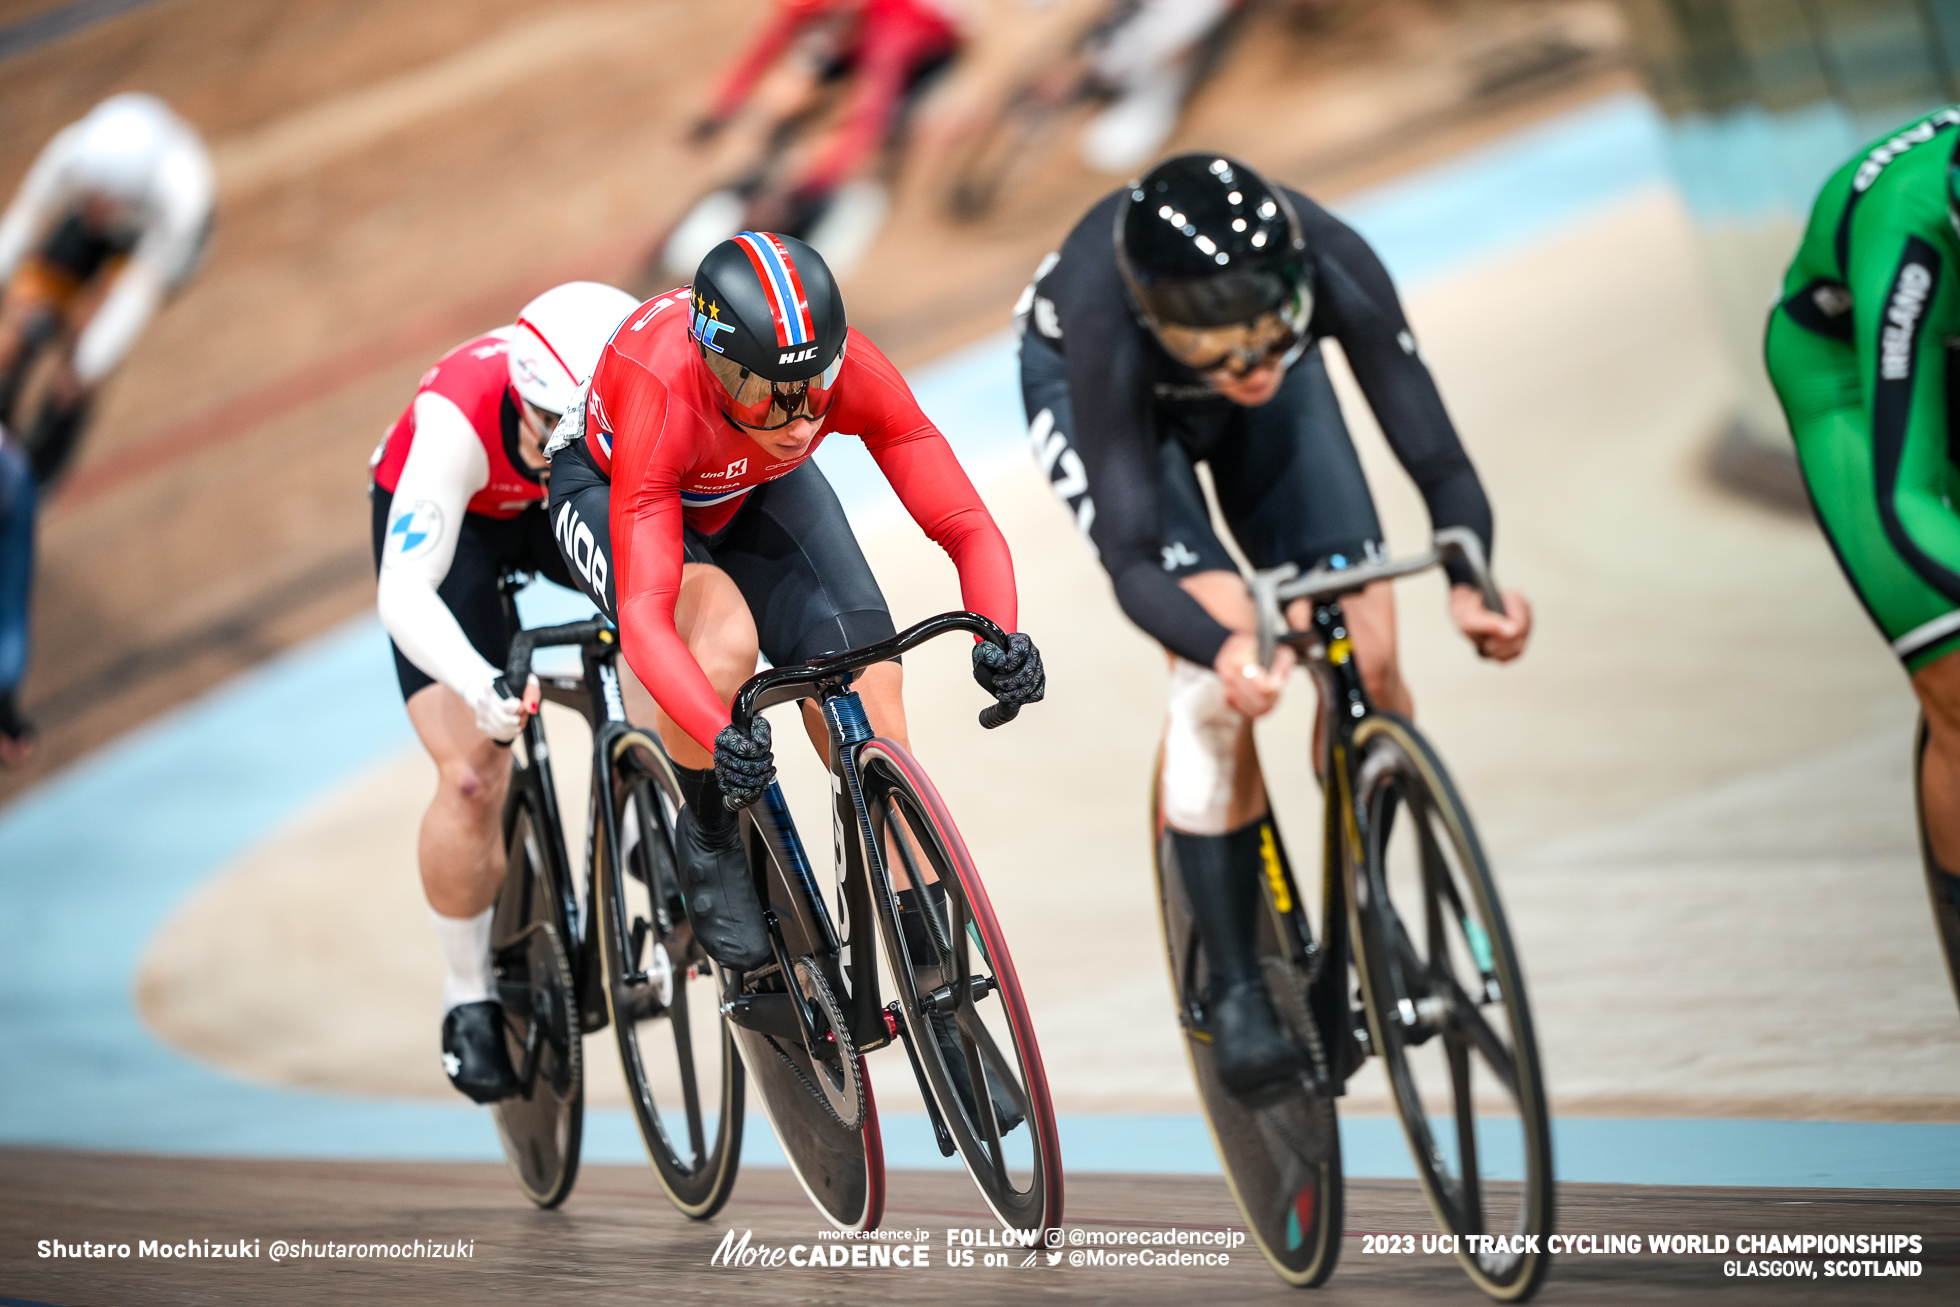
<point>721,900</point>
<point>1006,1115</point>
<point>1249,1051</point>
<point>475,1053</point>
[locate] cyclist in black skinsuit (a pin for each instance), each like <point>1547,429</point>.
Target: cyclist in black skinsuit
<point>1180,324</point>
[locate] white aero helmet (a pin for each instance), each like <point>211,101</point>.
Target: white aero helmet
<point>121,143</point>
<point>558,339</point>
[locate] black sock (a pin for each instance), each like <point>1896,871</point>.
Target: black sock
<point>1221,888</point>
<point>1952,887</point>
<point>703,795</point>
<point>912,923</point>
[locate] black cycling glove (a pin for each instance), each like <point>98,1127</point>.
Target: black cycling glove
<point>1013,677</point>
<point>744,766</point>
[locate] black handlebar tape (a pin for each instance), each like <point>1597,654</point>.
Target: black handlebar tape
<point>999,714</point>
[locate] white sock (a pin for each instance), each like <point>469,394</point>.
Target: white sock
<point>466,950</point>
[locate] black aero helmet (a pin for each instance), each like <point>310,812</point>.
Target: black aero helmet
<point>769,322</point>
<point>1215,260</point>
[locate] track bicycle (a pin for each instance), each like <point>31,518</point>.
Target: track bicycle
<point>1409,906</point>
<point>612,946</point>
<point>805,1019</point>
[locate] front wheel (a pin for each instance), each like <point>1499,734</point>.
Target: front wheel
<point>540,1126</point>
<point>1447,1010</point>
<point>682,1071</point>
<point>968,1022</point>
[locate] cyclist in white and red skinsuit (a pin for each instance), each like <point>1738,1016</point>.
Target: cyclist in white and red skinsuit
<point>459,487</point>
<point>684,497</point>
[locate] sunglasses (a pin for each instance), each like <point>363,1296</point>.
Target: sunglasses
<point>1238,347</point>
<point>760,404</point>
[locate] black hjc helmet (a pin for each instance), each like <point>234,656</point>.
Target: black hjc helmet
<point>1205,241</point>
<point>767,316</point>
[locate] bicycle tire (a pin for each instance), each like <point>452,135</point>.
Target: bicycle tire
<point>541,1126</point>
<point>1414,993</point>
<point>1281,1156</point>
<point>841,1172</point>
<point>1021,1180</point>
<point>696,1159</point>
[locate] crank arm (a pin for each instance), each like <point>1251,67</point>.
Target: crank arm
<point>895,1025</point>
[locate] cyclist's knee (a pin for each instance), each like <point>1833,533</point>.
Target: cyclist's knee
<point>476,788</point>
<point>1937,686</point>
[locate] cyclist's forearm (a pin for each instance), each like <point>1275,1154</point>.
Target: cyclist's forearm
<point>1157,603</point>
<point>422,626</point>
<point>667,667</point>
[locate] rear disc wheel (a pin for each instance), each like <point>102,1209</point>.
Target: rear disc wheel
<point>541,1125</point>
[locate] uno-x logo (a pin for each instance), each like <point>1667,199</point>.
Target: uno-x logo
<point>490,351</point>
<point>582,552</point>
<point>707,324</point>
<point>792,356</point>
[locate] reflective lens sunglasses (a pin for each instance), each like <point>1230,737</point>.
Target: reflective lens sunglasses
<point>764,405</point>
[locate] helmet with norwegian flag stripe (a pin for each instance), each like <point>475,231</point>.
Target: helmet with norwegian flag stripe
<point>768,304</point>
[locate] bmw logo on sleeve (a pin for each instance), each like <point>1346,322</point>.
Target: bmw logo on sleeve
<point>413,533</point>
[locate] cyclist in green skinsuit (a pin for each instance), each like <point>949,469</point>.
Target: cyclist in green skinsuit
<point>1862,351</point>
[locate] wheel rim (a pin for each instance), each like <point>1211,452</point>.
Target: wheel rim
<point>1449,1015</point>
<point>979,1020</point>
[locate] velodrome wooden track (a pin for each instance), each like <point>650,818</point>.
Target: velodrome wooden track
<point>617,1241</point>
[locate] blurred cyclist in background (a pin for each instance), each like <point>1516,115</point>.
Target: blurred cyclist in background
<point>110,221</point>
<point>830,188</point>
<point>684,495</point>
<point>1179,324</point>
<point>458,498</point>
<point>1861,353</point>
<point>1030,64</point>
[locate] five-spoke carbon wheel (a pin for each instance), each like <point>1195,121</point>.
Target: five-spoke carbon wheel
<point>964,1012</point>
<point>682,1070</point>
<point>1447,1011</point>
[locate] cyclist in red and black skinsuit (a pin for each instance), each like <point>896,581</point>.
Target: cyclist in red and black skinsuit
<point>891,45</point>
<point>684,499</point>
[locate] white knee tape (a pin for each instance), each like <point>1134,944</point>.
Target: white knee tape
<point>1200,751</point>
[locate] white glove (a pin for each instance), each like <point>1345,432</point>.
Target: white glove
<point>500,718</point>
